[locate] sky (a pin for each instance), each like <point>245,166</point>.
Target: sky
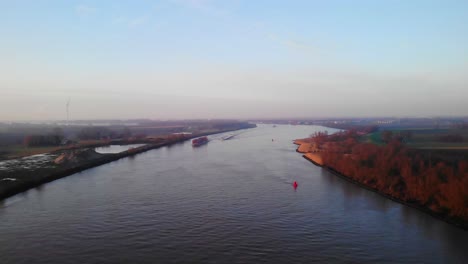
<point>187,59</point>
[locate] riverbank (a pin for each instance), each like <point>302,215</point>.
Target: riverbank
<point>25,178</point>
<point>317,159</point>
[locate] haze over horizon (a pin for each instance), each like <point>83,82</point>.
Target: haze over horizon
<point>187,59</point>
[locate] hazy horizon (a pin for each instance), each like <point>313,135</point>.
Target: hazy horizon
<point>202,59</point>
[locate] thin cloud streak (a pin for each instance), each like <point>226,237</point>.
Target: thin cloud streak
<point>138,21</point>
<point>85,10</point>
<point>292,44</point>
<point>206,6</point>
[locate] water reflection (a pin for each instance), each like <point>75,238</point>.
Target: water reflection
<point>112,149</point>
<point>355,195</point>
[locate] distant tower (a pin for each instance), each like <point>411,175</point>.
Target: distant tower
<point>68,111</point>
<point>399,126</point>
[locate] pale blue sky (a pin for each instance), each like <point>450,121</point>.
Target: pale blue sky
<point>232,59</point>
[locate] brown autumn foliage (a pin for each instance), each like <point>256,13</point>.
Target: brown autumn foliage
<point>395,170</point>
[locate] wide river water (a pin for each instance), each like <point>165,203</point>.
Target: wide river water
<point>225,202</point>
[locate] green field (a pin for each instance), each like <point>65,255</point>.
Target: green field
<point>21,151</point>
<point>424,138</point>
<point>374,138</point>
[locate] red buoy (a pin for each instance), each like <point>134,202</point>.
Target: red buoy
<point>295,184</point>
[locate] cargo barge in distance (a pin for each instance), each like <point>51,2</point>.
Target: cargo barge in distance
<point>227,137</point>
<point>199,141</point>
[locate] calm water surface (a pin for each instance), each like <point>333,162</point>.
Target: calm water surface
<point>225,202</point>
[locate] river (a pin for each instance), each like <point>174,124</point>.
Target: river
<point>225,202</point>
